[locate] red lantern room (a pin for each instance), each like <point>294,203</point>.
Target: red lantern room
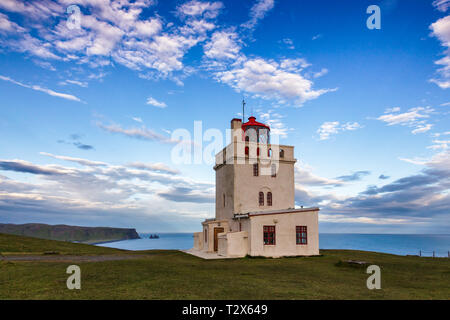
<point>256,131</point>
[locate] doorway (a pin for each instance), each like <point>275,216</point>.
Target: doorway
<point>216,242</point>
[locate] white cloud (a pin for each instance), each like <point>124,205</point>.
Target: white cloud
<point>108,192</point>
<point>45,90</point>
<point>196,8</point>
<point>334,127</point>
<point>83,84</point>
<point>275,122</point>
<point>113,32</point>
<point>9,26</point>
<point>422,128</point>
<point>223,45</point>
<point>439,144</point>
<point>438,134</point>
<point>441,5</point>
<point>439,160</point>
<point>304,176</point>
<point>158,167</point>
<point>272,80</point>
<point>441,30</point>
<point>156,103</point>
<point>322,72</point>
<point>289,43</point>
<point>33,9</point>
<point>414,117</point>
<point>81,161</point>
<point>258,12</point>
<point>142,133</point>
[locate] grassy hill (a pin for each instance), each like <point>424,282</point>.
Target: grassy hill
<point>19,245</point>
<point>69,233</point>
<point>166,274</point>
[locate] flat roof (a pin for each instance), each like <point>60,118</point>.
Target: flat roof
<point>269,212</point>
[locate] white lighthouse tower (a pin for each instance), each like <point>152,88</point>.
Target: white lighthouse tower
<point>255,200</point>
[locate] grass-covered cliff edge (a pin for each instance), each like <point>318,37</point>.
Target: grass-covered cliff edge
<point>108,273</point>
<point>69,233</point>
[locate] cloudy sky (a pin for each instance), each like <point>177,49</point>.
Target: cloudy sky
<point>92,91</point>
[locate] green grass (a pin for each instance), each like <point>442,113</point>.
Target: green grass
<point>168,274</point>
<point>12,244</point>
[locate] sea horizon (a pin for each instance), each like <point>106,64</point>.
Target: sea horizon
<point>392,243</point>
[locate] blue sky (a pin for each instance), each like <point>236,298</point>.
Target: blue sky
<point>88,108</point>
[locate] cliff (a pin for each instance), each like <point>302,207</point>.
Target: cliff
<point>69,233</point>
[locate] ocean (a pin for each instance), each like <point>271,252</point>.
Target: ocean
<point>400,244</point>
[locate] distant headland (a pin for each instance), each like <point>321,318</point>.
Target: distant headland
<point>61,232</point>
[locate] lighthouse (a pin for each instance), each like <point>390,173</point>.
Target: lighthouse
<point>255,212</point>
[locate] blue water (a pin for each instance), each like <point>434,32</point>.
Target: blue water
<point>401,244</point>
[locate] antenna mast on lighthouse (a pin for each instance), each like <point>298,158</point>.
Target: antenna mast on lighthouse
<point>243,110</point>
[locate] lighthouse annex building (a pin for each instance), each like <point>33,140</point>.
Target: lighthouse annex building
<point>255,206</point>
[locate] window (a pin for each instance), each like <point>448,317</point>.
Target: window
<point>246,151</point>
<point>255,169</point>
<point>274,170</point>
<point>269,198</point>
<point>224,200</point>
<point>261,198</point>
<point>247,138</point>
<point>269,153</point>
<point>301,235</point>
<point>281,153</point>
<point>206,235</point>
<point>269,235</point>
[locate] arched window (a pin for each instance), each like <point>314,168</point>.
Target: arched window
<point>246,151</point>
<point>269,198</point>
<point>261,198</point>
<point>269,153</point>
<point>257,151</point>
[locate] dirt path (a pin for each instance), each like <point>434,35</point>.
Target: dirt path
<point>66,258</point>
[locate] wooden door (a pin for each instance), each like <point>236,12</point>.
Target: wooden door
<point>216,242</point>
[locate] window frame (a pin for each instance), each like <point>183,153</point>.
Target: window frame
<point>269,233</point>
<point>255,169</point>
<point>301,235</point>
<point>269,199</point>
<point>261,199</point>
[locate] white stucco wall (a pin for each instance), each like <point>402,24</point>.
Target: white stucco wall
<point>237,244</point>
<point>222,249</point>
<point>285,233</point>
<point>198,240</point>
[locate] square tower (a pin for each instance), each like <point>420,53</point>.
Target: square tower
<point>252,174</point>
